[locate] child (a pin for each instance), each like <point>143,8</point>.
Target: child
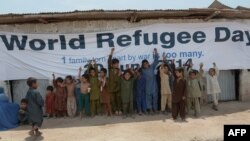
<point>165,86</point>
<point>95,88</point>
<point>34,107</point>
<point>140,92</point>
<point>60,97</point>
<point>50,102</point>
<point>71,100</point>
<point>84,99</point>
<point>179,94</point>
<point>151,83</point>
<point>105,96</point>
<point>194,92</point>
<point>127,83</point>
<point>213,87</point>
<point>114,83</point>
<point>23,115</point>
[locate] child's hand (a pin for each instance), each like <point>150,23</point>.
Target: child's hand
<point>53,75</point>
<point>201,65</point>
<point>155,50</point>
<point>112,50</point>
<point>127,66</point>
<point>172,61</point>
<point>214,64</point>
<point>183,98</point>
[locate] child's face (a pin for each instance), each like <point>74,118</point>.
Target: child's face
<point>23,105</point>
<point>68,81</point>
<point>35,85</point>
<point>165,69</point>
<point>127,76</point>
<point>102,74</point>
<point>145,65</point>
<point>49,91</point>
<point>92,73</point>
<point>211,72</point>
<point>59,83</point>
<point>84,80</point>
<point>192,75</point>
<point>178,74</point>
<point>116,65</point>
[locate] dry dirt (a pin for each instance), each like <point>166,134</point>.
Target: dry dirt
<point>209,127</point>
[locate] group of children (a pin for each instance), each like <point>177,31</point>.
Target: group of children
<point>123,93</point>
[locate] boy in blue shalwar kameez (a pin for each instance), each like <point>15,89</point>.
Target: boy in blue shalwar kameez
<point>151,83</point>
<point>140,95</point>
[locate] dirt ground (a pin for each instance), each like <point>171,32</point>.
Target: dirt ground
<point>209,127</point>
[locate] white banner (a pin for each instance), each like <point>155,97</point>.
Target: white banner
<point>39,55</point>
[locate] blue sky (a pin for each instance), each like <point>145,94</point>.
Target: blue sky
<point>36,6</point>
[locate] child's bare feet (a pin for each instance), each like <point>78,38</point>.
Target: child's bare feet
<point>31,133</point>
<point>38,133</point>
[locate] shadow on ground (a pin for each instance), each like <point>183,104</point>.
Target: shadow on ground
<point>225,109</point>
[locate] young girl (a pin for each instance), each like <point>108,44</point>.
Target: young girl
<point>151,83</point>
<point>127,83</point>
<point>95,88</point>
<point>60,97</point>
<point>105,96</point>
<point>165,87</point>
<point>179,94</point>
<point>50,102</point>
<point>34,108</point>
<point>84,99</point>
<point>213,87</point>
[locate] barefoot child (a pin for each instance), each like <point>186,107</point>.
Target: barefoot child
<point>50,102</point>
<point>165,86</point>
<point>105,96</point>
<point>23,113</point>
<point>84,100</point>
<point>95,88</point>
<point>60,97</point>
<point>213,87</point>
<point>71,100</point>
<point>35,104</point>
<point>179,94</point>
<point>114,83</point>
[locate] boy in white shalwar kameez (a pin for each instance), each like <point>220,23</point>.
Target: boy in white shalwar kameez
<point>213,87</point>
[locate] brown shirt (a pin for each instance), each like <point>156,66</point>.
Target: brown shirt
<point>179,90</point>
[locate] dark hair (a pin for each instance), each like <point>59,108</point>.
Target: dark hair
<point>193,72</point>
<point>30,81</point>
<point>86,76</point>
<point>50,88</point>
<point>180,69</point>
<point>104,70</point>
<point>69,77</point>
<point>24,101</point>
<point>115,61</point>
<point>59,79</point>
<point>144,61</point>
<point>127,71</point>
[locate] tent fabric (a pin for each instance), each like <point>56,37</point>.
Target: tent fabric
<point>8,114</point>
